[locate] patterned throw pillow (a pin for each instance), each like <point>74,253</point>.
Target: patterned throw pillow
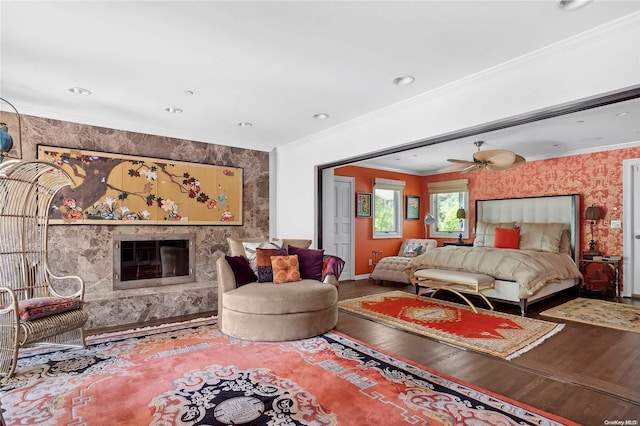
<point>241,270</point>
<point>310,262</point>
<point>40,307</point>
<point>250,251</point>
<point>410,250</point>
<point>285,269</point>
<point>263,260</point>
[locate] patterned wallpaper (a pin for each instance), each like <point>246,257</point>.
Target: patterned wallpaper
<point>597,177</point>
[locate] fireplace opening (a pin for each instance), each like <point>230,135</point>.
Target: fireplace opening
<point>147,260</point>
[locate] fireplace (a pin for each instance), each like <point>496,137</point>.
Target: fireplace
<point>147,260</point>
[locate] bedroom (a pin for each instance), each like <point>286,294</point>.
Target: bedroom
<point>283,180</point>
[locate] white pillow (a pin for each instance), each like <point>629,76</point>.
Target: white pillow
<point>250,251</point>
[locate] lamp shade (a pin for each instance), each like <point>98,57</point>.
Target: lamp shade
<point>429,219</point>
<point>461,214</point>
<point>592,213</point>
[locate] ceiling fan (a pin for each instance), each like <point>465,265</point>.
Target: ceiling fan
<point>492,160</point>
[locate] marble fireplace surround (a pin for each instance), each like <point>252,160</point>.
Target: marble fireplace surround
<point>86,250</point>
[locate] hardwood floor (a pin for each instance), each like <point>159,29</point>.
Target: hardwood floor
<point>585,373</point>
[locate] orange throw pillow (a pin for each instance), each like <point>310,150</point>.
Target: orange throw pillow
<point>286,269</point>
<point>507,238</point>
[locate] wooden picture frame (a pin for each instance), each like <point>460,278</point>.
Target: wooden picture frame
<point>120,189</point>
<point>412,207</point>
<point>363,204</point>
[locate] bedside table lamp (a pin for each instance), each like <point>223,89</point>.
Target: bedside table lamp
<point>592,214</point>
<point>428,221</point>
<point>461,215</point>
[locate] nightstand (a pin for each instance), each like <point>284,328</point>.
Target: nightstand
<point>601,275</point>
<point>455,243</point>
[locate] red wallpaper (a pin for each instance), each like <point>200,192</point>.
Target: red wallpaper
<point>596,177</point>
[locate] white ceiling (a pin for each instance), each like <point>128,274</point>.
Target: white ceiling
<point>607,127</point>
<point>273,63</point>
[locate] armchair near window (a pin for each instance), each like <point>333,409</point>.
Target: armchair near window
<point>36,306</point>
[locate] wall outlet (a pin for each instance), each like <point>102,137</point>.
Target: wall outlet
<point>370,262</point>
<point>616,224</point>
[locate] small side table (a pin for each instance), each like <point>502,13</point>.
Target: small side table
<point>455,243</point>
<point>615,266</point>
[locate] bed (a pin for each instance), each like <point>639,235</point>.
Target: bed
<point>545,232</point>
<point>393,268</point>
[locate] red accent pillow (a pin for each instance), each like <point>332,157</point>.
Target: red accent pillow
<point>507,238</point>
<point>40,307</point>
<point>263,260</point>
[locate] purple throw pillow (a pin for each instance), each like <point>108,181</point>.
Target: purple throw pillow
<point>241,270</point>
<point>310,261</point>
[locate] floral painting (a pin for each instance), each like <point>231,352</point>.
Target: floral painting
<point>128,189</point>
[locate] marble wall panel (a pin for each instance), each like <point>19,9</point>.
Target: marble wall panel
<point>86,250</point>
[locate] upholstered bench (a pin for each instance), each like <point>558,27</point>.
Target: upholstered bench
<point>457,282</point>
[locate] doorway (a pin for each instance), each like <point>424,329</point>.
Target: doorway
<point>343,226</point>
<point>631,235</point>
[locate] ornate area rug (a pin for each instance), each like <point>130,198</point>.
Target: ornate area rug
<point>495,333</point>
<point>598,312</point>
<point>192,374</point>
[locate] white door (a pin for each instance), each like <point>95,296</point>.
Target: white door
<point>631,220</point>
<point>343,226</point>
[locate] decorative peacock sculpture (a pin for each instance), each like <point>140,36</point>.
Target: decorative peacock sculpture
<point>6,141</point>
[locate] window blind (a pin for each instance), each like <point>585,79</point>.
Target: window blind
<point>392,184</point>
<point>459,185</point>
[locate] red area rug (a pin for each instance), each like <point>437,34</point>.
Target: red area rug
<point>501,335</point>
<point>191,374</point>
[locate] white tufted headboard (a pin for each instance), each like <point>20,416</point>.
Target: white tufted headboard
<point>550,209</point>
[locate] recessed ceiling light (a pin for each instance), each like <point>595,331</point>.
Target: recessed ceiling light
<point>320,116</point>
<point>621,114</point>
<point>245,124</point>
<point>571,5</point>
<point>189,92</point>
<point>80,91</point>
<point>404,80</point>
<point>173,110</point>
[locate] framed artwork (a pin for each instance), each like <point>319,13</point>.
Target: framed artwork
<point>125,189</point>
<point>363,204</point>
<point>412,207</point>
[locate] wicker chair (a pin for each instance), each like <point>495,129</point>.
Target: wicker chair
<point>36,306</point>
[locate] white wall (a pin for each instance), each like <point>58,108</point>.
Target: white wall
<point>598,62</point>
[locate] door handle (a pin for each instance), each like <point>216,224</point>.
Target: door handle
<point>637,237</point>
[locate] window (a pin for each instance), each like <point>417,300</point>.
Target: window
<point>387,208</point>
<point>447,198</point>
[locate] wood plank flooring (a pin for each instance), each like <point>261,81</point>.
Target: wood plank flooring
<point>585,373</point>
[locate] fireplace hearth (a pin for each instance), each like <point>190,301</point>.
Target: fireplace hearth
<point>148,260</point>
